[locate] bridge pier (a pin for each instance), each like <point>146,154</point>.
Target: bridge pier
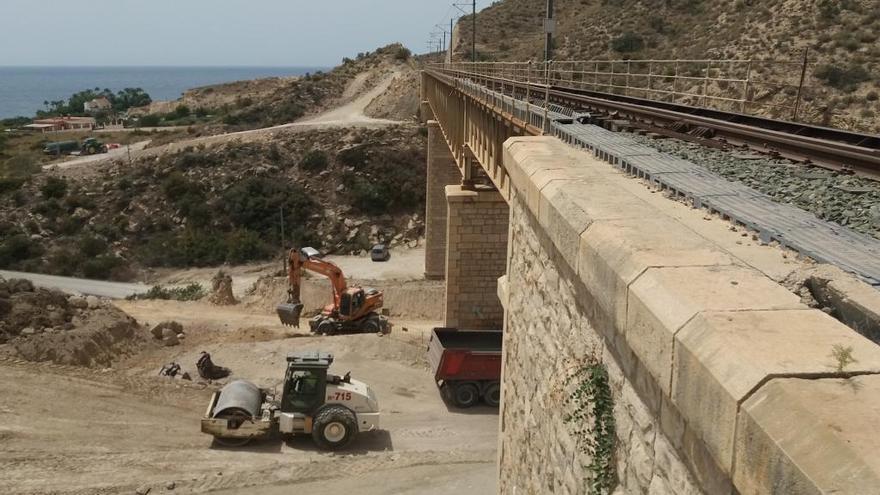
<point>442,171</point>
<point>476,256</point>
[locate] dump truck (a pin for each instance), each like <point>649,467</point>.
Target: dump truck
<point>467,365</point>
<point>332,409</point>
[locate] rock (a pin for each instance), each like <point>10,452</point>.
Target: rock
<point>349,223</point>
<point>170,485</point>
<point>170,340</point>
<point>143,490</point>
<point>93,302</point>
<point>78,302</point>
<point>27,331</point>
<point>81,213</point>
<point>20,285</point>
<point>221,290</point>
<point>159,330</point>
<point>168,333</point>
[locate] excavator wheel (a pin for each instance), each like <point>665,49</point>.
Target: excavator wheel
<point>371,325</point>
<point>325,327</point>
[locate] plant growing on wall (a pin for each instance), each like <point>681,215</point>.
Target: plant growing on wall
<point>592,421</point>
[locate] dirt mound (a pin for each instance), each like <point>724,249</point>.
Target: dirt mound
<point>221,290</point>
<point>48,325</point>
<point>420,299</point>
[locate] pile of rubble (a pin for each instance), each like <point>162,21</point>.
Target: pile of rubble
<point>48,325</point>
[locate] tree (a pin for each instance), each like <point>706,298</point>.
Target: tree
<point>130,98</point>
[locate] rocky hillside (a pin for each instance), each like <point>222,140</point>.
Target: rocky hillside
<point>841,37</point>
<point>339,189</point>
<point>265,102</point>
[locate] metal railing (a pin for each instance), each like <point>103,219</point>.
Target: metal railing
<point>786,90</point>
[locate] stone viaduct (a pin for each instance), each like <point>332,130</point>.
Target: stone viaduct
<point>722,381</point>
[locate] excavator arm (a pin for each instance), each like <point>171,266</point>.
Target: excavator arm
<point>307,259</point>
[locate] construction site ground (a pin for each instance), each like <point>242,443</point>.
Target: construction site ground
<point>76,430</point>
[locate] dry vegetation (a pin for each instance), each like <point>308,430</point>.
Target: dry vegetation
<point>841,36</point>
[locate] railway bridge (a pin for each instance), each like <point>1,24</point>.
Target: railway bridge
<point>650,343</point>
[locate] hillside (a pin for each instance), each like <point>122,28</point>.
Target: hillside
<point>207,196</point>
<point>844,70</point>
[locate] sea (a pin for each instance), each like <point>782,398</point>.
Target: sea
<point>24,89</point>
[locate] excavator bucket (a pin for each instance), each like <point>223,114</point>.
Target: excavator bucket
<point>290,312</point>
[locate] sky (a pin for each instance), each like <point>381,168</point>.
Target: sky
<point>316,33</point>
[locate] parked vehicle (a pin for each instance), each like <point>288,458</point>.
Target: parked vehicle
<point>467,365</point>
<point>380,252</point>
<point>61,147</point>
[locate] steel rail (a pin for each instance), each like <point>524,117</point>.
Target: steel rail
<point>830,148</point>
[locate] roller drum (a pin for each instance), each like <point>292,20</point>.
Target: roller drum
<point>239,398</point>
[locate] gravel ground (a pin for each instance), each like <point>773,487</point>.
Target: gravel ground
<point>845,199</point>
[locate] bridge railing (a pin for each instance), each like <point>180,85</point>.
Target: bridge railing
<point>782,89</point>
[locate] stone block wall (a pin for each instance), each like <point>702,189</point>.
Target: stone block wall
<point>476,256</point>
<point>722,381</point>
<point>442,171</point>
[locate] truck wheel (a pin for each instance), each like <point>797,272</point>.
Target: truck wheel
<point>334,427</point>
<point>492,395</point>
<point>466,395</point>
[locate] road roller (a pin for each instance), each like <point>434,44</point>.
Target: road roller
<point>332,409</point>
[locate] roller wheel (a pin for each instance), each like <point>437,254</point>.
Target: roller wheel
<point>492,395</point>
<point>334,428</point>
<point>466,395</point>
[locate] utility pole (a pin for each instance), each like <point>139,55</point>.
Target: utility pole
<point>549,29</point>
<point>474,31</point>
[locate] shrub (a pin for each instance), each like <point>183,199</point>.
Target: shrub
<point>191,292</point>
<point>871,96</point>
<point>92,246</point>
<point>55,187</point>
<point>843,78</point>
<point>314,160</point>
<point>18,248</point>
<point>150,120</point>
<point>627,43</point>
<point>353,157</point>
<point>181,111</point>
<point>101,267</point>
<point>255,204</point>
<point>402,53</point>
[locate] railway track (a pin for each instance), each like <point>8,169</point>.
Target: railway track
<point>835,149</point>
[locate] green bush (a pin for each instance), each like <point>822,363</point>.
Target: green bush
<point>314,161</point>
<point>844,78</point>
<point>627,43</point>
<point>54,188</point>
<point>101,267</point>
<point>402,53</point>
<point>191,292</point>
<point>150,120</point>
<point>255,204</point>
<point>91,246</point>
<point>353,157</point>
<point>181,111</point>
<point>17,248</point>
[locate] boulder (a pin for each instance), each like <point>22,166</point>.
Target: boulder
<point>173,327</point>
<point>93,302</point>
<point>78,302</point>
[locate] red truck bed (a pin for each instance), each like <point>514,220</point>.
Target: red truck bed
<point>465,354</point>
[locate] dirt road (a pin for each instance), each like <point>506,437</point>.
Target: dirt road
<point>79,431</point>
<point>350,114</point>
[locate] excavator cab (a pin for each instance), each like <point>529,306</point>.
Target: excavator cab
<point>351,302</point>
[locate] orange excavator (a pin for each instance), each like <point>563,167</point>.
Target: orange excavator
<point>354,309</point>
